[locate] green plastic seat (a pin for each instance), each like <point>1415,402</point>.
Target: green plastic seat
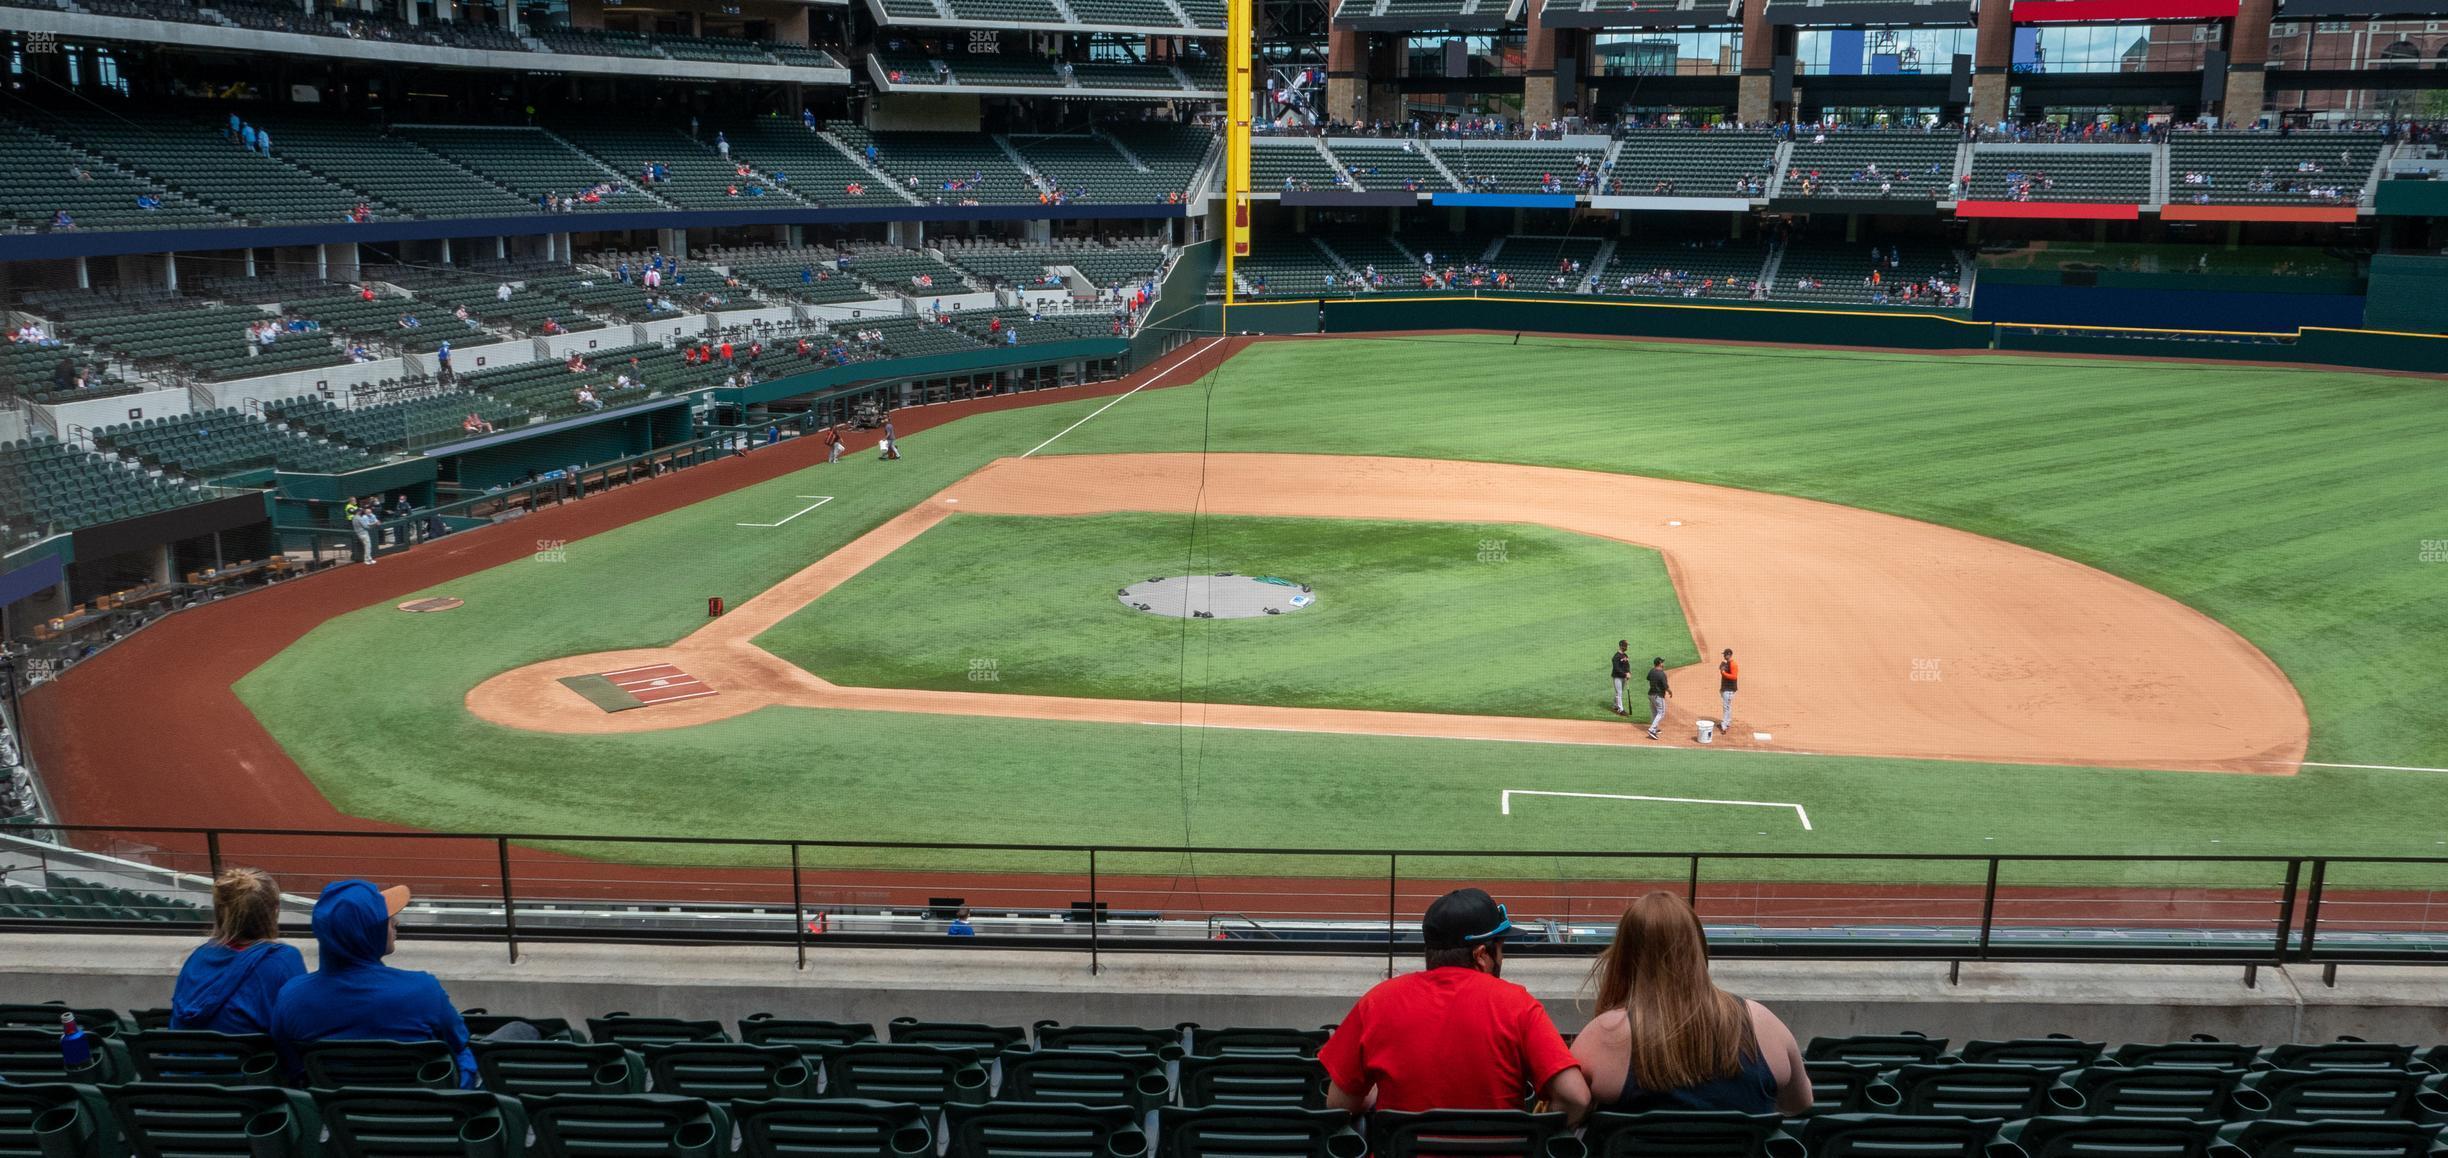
<point>2343,1054</point>
<point>541,1068</point>
<point>1969,1090</point>
<point>2056,1051</point>
<point>1434,1133</point>
<point>56,1120</point>
<point>2348,1094</point>
<point>722,1070</point>
<point>1236,1132</point>
<point>482,1021</point>
<point>1842,1087</point>
<point>1885,1050</point>
<point>420,1123</point>
<point>2156,1092</point>
<point>33,1055</point>
<point>766,1029</point>
<point>1087,1077</point>
<point>46,1015</point>
<point>930,1076</point>
<point>1896,1136</point>
<point>1253,1082</point>
<point>1688,1134</point>
<point>398,1065</point>
<point>911,1031</point>
<point>1224,1040</point>
<point>1164,1043</point>
<point>2335,1139</point>
<point>831,1128</point>
<point>1043,1130</point>
<point>198,1055</point>
<point>624,1029</point>
<point>627,1126</point>
<point>181,1121</point>
<point>2202,1051</point>
<point>2066,1136</point>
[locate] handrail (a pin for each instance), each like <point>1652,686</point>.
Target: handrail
<point>2265,923</point>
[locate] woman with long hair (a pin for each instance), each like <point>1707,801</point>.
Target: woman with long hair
<point>228,983</point>
<point>1666,1038</point>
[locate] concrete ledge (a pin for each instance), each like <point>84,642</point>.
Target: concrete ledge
<point>979,983</point>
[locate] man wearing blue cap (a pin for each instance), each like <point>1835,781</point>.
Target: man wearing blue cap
<point>1454,1036</point>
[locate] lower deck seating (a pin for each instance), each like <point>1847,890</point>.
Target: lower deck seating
<point>47,485</point>
<point>223,441</point>
<point>1884,274</point>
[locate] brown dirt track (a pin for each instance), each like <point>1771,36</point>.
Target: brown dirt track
<point>103,732</point>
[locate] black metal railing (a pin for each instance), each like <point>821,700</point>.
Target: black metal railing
<point>2249,910</point>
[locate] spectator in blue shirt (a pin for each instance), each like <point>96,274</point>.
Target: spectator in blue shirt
<point>229,983</point>
<point>960,926</point>
<point>353,995</point>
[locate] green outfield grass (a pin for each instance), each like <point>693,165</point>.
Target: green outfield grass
<point>1411,617</point>
<point>2291,505</point>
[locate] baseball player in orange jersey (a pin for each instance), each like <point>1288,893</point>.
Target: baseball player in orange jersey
<point>1726,675</point>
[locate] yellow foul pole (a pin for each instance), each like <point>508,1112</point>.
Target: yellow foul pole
<point>1240,83</point>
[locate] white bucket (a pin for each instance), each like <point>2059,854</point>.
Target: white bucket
<point>1708,731</point>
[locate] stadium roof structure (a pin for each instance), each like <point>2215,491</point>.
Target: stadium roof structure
<point>1428,15</point>
<point>1639,13</point>
<point>1869,13</point>
<point>1045,16</point>
<point>225,38</point>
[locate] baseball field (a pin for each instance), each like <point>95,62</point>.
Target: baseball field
<point>1986,604</point>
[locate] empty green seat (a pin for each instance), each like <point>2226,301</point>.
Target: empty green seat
<point>2079,1137</point>
<point>1088,1077</point>
<point>2056,1051</point>
<point>427,1065</point>
<point>33,1055</point>
<point>422,1124</point>
<point>831,1128</point>
<point>1229,1039</point>
<point>1896,1136</point>
<point>2336,1139</point>
<point>1235,1132</point>
<point>2200,1050</point>
<point>1970,1090</point>
<point>628,1126</point>
<point>1163,1042</point>
<point>1843,1087</point>
<point>1052,1130</point>
<point>927,1075</point>
<point>1253,1082</point>
<point>767,1029</point>
<point>182,1121</point>
<point>482,1021</point>
<point>540,1068</point>
<point>196,1055</point>
<point>56,1120</point>
<point>2158,1092</point>
<point>2347,1094</point>
<point>721,1071</point>
<point>2345,1053</point>
<point>911,1031</point>
<point>1397,1134</point>
<point>1688,1134</point>
<point>624,1028</point>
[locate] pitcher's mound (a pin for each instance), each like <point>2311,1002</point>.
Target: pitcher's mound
<point>1225,596</point>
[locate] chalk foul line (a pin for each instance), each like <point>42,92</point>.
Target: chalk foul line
<point>1152,380</point>
<point>820,501</point>
<point>1504,801</point>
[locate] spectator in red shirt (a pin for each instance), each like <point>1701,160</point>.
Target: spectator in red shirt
<point>1454,1036</point>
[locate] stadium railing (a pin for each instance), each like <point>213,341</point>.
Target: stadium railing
<point>2242,910</point>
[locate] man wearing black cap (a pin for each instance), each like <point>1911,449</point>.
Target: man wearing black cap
<point>1454,1036</point>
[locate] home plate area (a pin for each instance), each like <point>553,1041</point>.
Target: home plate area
<point>637,687</point>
